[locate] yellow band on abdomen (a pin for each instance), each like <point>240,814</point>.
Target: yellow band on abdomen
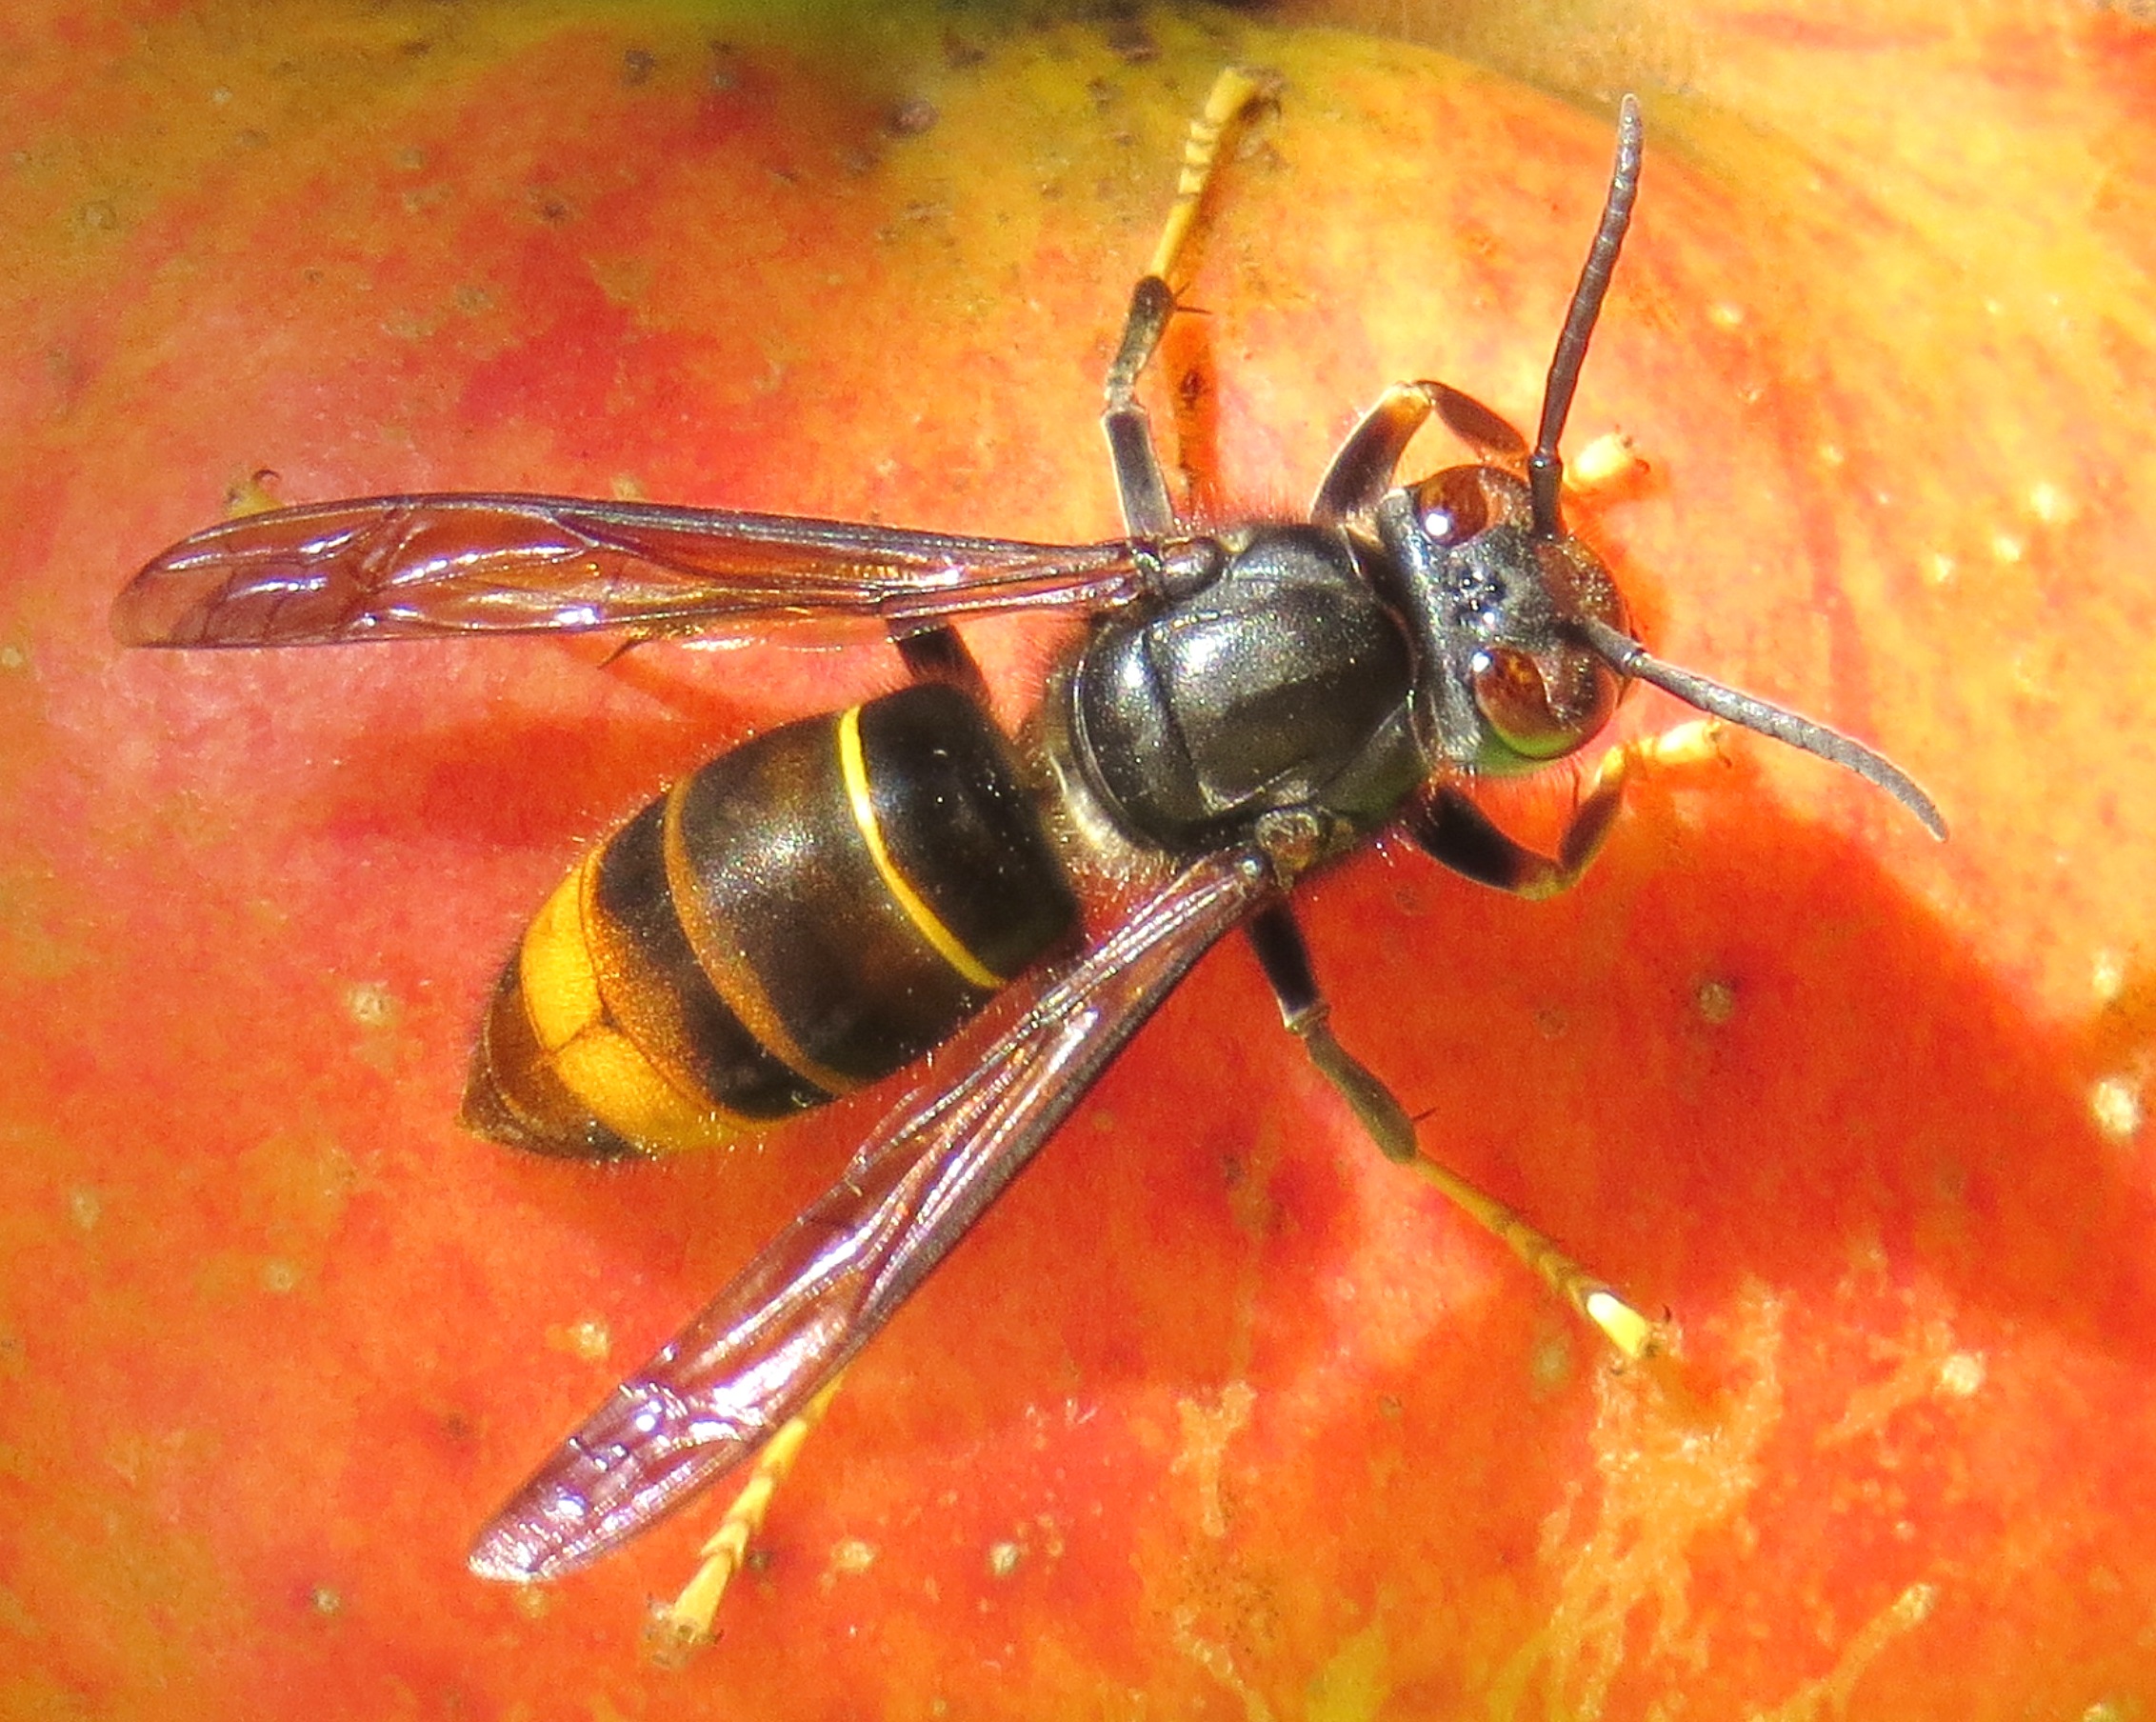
<point>853,769</point>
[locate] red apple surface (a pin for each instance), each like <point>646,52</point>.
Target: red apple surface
<point>1217,1413</point>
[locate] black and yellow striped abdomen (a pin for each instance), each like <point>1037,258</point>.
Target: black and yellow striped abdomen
<point>804,914</point>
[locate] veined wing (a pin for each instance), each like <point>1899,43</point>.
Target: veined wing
<point>428,566</point>
<point>823,1287</point>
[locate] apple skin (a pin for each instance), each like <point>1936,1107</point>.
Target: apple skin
<point>1216,1415</point>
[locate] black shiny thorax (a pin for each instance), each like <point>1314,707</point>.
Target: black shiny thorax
<point>1281,683</point>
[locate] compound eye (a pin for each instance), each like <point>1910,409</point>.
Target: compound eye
<point>1452,506</point>
<point>1515,701</point>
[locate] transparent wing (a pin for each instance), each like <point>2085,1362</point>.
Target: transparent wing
<point>425,566</point>
<point>823,1287</point>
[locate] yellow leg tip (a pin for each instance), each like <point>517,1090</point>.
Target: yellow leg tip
<point>677,1630</point>
<point>1234,91</point>
<point>671,1639</point>
<point>1694,742</point>
<point>1602,464</point>
<point>1234,88</point>
<point>1621,1325</point>
<point>1686,744</point>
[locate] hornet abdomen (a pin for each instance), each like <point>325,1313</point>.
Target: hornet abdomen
<point>810,912</point>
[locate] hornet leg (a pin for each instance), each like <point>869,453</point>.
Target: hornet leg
<point>1285,960</point>
<point>1139,482</point>
<point>683,1626</point>
<point>939,654</point>
<point>1362,471</point>
<point>1458,833</point>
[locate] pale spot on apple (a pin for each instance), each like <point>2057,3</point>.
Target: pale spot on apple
<point>371,1004</point>
<point>2107,976</point>
<point>589,1339</point>
<point>2049,503</point>
<point>2114,1102</point>
<point>850,1556</point>
<point>1207,1430</point>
